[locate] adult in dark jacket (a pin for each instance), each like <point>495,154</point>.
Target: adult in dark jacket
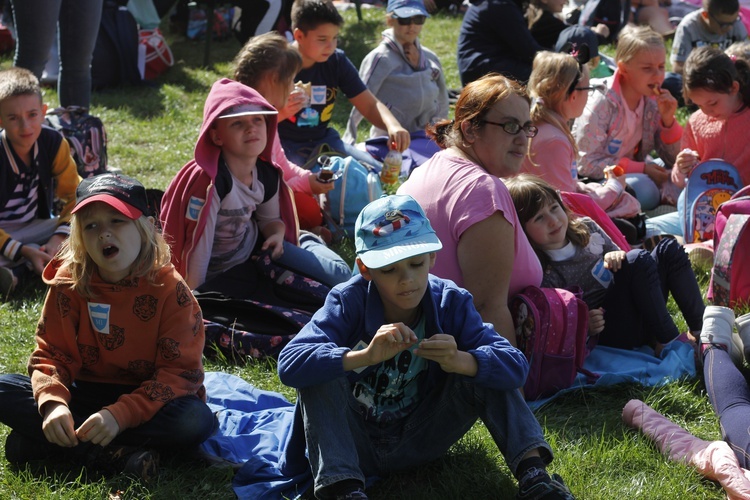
<point>494,37</point>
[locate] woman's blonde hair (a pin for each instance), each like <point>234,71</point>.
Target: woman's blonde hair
<point>530,194</point>
<point>154,255</point>
<point>634,39</point>
<point>476,100</point>
<point>553,75</point>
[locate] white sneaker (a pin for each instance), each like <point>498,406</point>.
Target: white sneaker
<point>743,329</point>
<point>717,330</point>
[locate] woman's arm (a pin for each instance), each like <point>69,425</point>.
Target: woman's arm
<point>487,272</point>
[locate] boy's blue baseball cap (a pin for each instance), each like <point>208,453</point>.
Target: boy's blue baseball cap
<point>393,228</point>
<point>406,8</point>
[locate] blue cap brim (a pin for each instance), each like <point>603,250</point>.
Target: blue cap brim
<point>405,12</point>
<point>375,259</point>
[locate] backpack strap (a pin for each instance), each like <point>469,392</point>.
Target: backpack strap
<point>723,257</point>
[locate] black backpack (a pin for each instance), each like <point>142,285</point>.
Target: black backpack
<point>115,58</point>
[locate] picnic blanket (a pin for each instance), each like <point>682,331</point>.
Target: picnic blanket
<point>260,435</point>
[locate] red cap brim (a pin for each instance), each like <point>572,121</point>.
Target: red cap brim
<point>125,209</point>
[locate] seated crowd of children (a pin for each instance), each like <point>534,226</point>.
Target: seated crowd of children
<point>117,373</point>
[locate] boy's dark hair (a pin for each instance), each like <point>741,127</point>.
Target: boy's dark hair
<point>18,81</point>
<point>309,14</point>
<point>264,54</point>
<point>711,69</point>
<point>726,7</point>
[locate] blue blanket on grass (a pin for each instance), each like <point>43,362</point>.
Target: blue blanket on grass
<point>255,426</point>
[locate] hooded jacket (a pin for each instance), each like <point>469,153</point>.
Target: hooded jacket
<point>187,200</point>
<point>147,335</point>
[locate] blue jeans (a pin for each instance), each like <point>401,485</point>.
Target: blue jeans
<point>670,223</point>
<point>313,258</point>
<point>299,152</point>
<point>636,302</point>
<point>36,23</point>
<point>646,190</point>
<point>342,445</point>
<point>729,394</point>
<point>182,423</point>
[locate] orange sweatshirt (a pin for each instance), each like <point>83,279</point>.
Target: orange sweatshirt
<point>131,332</point>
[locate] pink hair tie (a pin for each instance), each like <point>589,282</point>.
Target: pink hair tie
<point>733,58</point>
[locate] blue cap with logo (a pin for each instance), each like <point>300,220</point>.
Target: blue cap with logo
<point>393,228</point>
<point>406,8</point>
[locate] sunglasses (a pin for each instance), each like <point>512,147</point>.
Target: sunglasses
<point>514,128</point>
<point>720,24</point>
<point>599,87</point>
<point>406,21</point>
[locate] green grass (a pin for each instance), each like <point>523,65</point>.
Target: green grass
<point>151,131</point>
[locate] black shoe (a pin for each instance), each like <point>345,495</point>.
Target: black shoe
<point>358,494</point>
<point>20,450</point>
<point>130,460</point>
<point>553,490</point>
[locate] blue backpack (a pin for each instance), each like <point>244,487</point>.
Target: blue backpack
<point>711,183</point>
<point>356,185</point>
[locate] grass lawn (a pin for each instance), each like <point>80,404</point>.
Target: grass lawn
<point>151,132</point>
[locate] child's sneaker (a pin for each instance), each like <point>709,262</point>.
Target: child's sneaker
<point>130,460</point>
<point>20,450</point>
<point>717,330</point>
<point>357,494</point>
<point>553,490</point>
<point>743,329</point>
<point>701,255</point>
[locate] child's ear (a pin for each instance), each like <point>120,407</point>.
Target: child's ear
<point>215,137</point>
<point>433,257</point>
<point>363,269</point>
<point>621,68</point>
<point>298,34</point>
<point>735,88</point>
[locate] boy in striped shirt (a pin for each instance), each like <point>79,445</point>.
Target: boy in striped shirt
<point>36,170</point>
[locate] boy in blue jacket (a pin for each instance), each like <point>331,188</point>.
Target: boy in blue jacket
<point>397,352</point>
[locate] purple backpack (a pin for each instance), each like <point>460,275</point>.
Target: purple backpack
<point>730,276</point>
<point>552,329</point>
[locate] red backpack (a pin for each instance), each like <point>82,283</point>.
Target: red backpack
<point>730,276</point>
<point>552,329</point>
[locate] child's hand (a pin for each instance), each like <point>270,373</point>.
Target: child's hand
<point>667,105</point>
<point>100,428</point>
<point>442,349</point>
<point>596,321</point>
<point>57,425</point>
<point>400,137</point>
<point>318,187</point>
<point>656,173</point>
<point>274,243</point>
<point>613,260</point>
<point>294,104</point>
<point>53,245</point>
<point>686,161</point>
<point>388,341</point>
<point>615,172</point>
<point>602,30</point>
<point>36,257</point>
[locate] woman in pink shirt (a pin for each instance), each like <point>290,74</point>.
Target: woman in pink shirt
<point>484,247</point>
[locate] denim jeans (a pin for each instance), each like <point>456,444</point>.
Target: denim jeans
<point>182,423</point>
<point>342,445</point>
<point>36,23</point>
<point>313,258</point>
<point>646,190</point>
<point>670,223</point>
<point>299,152</point>
<point>730,396</point>
<point>636,302</point>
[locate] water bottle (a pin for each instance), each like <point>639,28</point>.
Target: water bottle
<point>391,167</point>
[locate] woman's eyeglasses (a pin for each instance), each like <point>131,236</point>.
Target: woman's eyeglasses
<point>406,21</point>
<point>514,128</point>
